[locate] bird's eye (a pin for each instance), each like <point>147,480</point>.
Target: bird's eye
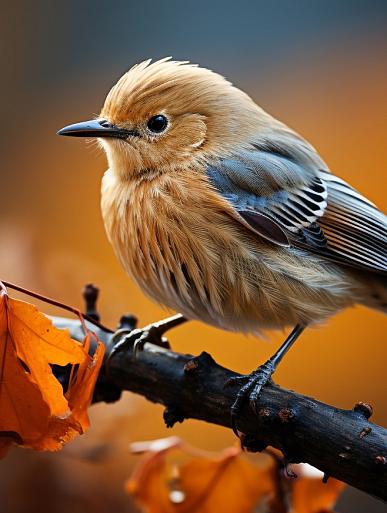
<point>157,124</point>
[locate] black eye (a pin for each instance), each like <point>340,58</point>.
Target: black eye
<point>157,123</point>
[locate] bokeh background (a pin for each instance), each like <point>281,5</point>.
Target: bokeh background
<point>317,65</point>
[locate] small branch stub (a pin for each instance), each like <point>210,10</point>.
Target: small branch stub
<point>90,295</point>
<point>172,415</point>
<point>364,409</point>
<point>286,415</point>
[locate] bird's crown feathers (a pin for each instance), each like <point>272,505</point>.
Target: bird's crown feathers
<point>178,85</point>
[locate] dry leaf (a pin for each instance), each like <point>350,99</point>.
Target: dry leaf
<point>34,411</point>
<point>229,483</point>
<point>81,389</point>
<point>311,495</point>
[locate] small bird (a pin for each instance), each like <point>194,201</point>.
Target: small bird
<point>223,213</point>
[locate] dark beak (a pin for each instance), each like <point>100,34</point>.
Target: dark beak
<point>96,128</point>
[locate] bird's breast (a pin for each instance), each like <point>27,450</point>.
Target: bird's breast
<point>180,242</point>
<point>174,237</point>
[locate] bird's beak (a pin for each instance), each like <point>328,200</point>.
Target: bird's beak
<point>96,128</point>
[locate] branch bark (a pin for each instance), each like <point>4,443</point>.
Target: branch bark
<point>341,443</point>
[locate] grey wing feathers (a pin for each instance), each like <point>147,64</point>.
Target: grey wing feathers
<point>355,228</point>
<point>289,202</point>
<point>277,197</point>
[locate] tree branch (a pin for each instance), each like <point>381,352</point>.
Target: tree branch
<point>341,443</point>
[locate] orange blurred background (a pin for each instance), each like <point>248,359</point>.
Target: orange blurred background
<point>318,66</point>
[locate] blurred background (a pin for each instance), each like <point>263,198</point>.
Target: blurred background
<point>318,66</point>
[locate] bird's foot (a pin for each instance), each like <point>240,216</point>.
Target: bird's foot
<point>137,338</point>
<point>251,386</point>
<point>152,334</point>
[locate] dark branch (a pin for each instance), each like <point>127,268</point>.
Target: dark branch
<point>341,443</point>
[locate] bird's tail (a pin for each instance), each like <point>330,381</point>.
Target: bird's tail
<point>376,297</point>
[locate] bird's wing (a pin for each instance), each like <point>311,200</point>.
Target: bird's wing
<point>355,228</point>
<point>295,202</point>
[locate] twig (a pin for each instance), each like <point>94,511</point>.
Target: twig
<point>341,443</point>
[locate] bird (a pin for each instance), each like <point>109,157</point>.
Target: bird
<point>221,212</point>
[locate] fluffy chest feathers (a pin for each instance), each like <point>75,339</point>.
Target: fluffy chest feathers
<point>179,241</point>
<point>169,234</point>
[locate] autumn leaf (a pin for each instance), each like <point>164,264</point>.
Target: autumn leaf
<point>229,483</point>
<point>34,410</point>
<point>205,484</point>
<point>81,389</point>
<point>310,494</point>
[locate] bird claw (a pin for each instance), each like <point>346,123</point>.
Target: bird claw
<point>149,334</point>
<point>251,386</point>
<point>236,380</point>
<point>137,339</point>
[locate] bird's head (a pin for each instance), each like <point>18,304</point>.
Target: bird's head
<point>164,115</point>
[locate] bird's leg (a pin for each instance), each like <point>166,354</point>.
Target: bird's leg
<point>152,333</point>
<point>253,383</point>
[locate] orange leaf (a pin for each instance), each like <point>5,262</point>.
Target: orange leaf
<point>203,484</point>
<point>80,391</point>
<point>34,412</point>
<point>311,495</point>
<point>230,483</point>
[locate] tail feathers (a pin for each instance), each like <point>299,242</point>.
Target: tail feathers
<point>377,297</point>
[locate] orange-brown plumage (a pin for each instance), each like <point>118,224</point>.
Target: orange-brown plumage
<point>180,242</point>
<point>173,204</point>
